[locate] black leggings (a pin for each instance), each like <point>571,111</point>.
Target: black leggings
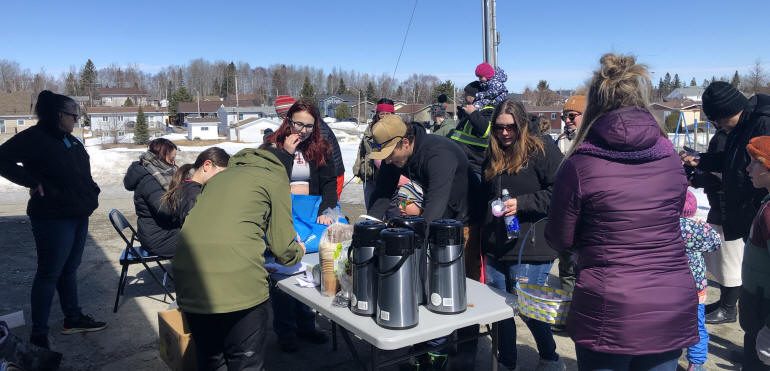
<point>230,341</point>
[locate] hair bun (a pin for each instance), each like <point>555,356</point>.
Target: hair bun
<point>615,66</point>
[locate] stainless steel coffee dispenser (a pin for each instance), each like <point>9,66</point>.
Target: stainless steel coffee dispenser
<point>420,228</point>
<point>396,302</point>
<point>446,267</point>
<point>362,258</point>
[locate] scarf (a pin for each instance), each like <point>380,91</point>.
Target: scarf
<point>162,171</point>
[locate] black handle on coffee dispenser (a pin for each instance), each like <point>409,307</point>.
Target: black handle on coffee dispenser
<point>396,267</point>
<point>459,256</point>
<point>352,262</point>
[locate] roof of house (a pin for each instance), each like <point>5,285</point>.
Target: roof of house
<point>118,110</point>
<point>678,104</point>
<point>412,108</point>
<point>192,107</point>
<point>344,97</point>
<point>120,91</point>
<point>531,108</point>
<point>18,103</point>
<point>243,99</point>
<point>202,120</point>
<point>268,110</point>
<point>254,120</point>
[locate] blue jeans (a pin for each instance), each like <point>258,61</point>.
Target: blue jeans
<point>589,360</point>
<point>59,244</point>
<point>697,353</point>
<point>290,317</point>
<point>502,275</point>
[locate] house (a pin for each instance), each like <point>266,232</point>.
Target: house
<point>229,115</point>
<point>252,129</point>
<point>692,93</point>
<point>117,97</point>
<point>362,112</point>
<point>243,100</point>
<point>17,111</point>
<point>204,108</point>
<point>123,119</point>
<point>691,111</point>
<point>327,105</point>
<point>414,112</point>
<point>202,128</point>
<point>551,113</point>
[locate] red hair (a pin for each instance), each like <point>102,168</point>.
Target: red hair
<point>315,148</point>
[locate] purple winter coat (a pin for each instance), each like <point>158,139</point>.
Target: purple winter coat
<point>616,203</point>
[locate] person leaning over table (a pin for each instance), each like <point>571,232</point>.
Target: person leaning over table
<point>219,266</point>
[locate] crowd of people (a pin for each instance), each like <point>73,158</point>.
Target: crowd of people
<point>609,197</point>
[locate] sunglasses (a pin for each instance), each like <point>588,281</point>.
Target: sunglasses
<point>510,128</point>
<point>570,117</point>
<point>404,202</point>
<point>299,126</point>
<point>378,146</point>
<point>75,116</point>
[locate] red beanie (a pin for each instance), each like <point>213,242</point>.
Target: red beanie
<point>283,103</point>
<point>485,70</point>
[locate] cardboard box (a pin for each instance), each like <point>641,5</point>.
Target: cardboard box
<point>176,344</point>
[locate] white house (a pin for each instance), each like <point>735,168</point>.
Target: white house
<point>693,93</point>
<point>202,128</point>
<point>117,97</point>
<point>229,115</point>
<point>123,119</point>
<point>252,129</point>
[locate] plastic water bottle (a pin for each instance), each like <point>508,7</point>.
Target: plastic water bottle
<point>511,221</point>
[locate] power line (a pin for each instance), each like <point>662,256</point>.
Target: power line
<point>403,43</point>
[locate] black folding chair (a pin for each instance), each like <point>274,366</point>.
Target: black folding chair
<point>135,254</point>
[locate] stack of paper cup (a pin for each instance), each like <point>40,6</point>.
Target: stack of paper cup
<point>328,278</point>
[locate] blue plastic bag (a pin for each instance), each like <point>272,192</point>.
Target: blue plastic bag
<point>304,211</point>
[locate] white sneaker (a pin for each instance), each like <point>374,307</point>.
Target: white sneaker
<point>546,365</point>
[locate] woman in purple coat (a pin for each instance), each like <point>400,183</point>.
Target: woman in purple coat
<point>616,204</point>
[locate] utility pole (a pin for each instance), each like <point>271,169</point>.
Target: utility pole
<point>491,37</point>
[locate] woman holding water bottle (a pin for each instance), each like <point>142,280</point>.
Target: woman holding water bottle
<point>518,171</point>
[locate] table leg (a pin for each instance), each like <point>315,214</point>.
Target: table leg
<point>494,345</point>
<point>375,358</point>
<point>334,336</point>
<point>351,347</point>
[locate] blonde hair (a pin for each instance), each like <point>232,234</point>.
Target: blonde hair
<point>619,82</point>
<point>515,157</point>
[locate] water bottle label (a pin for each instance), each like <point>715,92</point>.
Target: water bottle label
<point>435,299</point>
<point>363,305</point>
<point>385,316</point>
<point>448,302</point>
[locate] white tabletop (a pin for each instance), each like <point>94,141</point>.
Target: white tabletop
<point>485,305</point>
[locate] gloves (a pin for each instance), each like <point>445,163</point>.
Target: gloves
<point>763,345</point>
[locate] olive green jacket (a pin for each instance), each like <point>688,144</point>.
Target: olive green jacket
<point>219,266</point>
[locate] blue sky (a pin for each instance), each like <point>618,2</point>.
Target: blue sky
<point>559,41</point>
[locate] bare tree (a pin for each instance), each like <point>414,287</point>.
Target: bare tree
<point>755,79</point>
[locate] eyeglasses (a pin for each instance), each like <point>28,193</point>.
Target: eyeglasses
<point>378,146</point>
<point>510,128</point>
<point>75,116</point>
<point>570,116</point>
<point>298,126</point>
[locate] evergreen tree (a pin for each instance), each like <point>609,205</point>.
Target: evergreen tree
<point>307,91</point>
<point>128,102</point>
<point>180,95</point>
<point>141,133</point>
<point>736,81</point>
<point>88,79</point>
<point>677,83</point>
<point>329,84</point>
<point>71,83</point>
<point>667,87</point>
<point>280,85</point>
<point>342,111</point>
<point>693,83</point>
<point>705,83</point>
<point>228,81</point>
<point>400,93</point>
<point>370,94</point>
<point>446,87</point>
<point>661,86</point>
<point>341,88</point>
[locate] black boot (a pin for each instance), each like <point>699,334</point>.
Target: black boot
<point>722,315</point>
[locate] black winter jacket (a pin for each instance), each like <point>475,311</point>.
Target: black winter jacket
<point>336,154</point>
<point>157,230</point>
<point>742,200</point>
<point>440,166</point>
<point>479,120</point>
<point>323,180</point>
<point>59,162</point>
<point>712,183</point>
<point>532,187</point>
